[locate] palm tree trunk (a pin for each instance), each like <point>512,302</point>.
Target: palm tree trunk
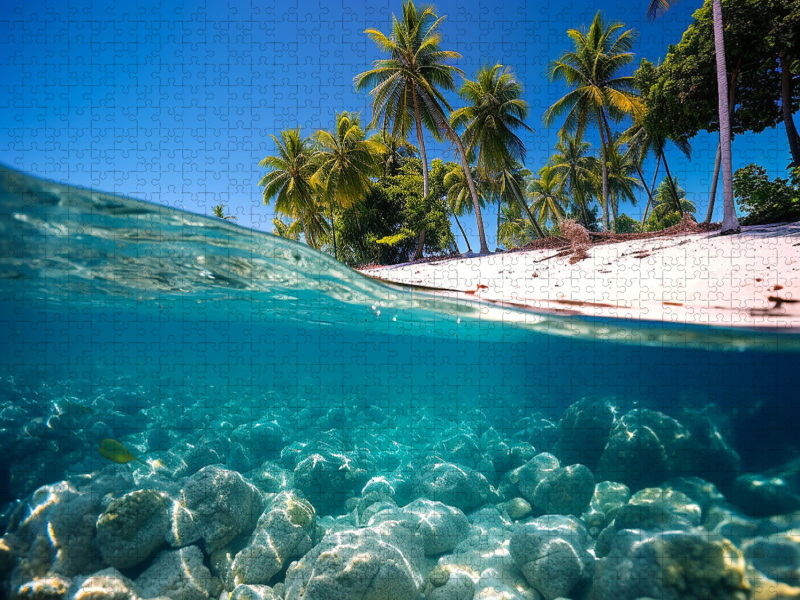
<point>718,159</point>
<point>604,165</point>
<point>713,194</point>
<point>420,245</point>
<point>672,185</point>
<point>614,208</point>
<point>499,206</point>
<point>425,177</point>
<point>333,226</point>
<point>647,189</point>
<point>421,140</point>
<point>730,224</point>
<point>534,222</point>
<point>474,192</point>
<point>786,106</point>
<point>582,203</point>
<point>466,239</point>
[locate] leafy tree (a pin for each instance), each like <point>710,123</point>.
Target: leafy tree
<point>406,89</point>
<point>761,43</point>
<point>598,90</point>
<point>767,201</point>
<point>428,212</point>
<point>345,162</point>
<point>625,224</point>
<point>290,231</point>
<point>289,182</point>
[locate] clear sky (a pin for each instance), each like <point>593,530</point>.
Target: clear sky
<point>174,102</point>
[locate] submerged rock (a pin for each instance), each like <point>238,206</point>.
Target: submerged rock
<point>133,527</point>
<point>253,592</point>
<point>217,505</point>
<point>583,432</point>
<point>328,478</point>
<point>178,575</point>
<point>383,562</point>
<point>282,533</point>
<point>552,554</point>
<point>108,584</point>
<point>675,565</point>
<point>453,485</point>
<point>441,527</point>
<point>565,491</point>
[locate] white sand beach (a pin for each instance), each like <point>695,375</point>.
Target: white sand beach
<point>749,280</point>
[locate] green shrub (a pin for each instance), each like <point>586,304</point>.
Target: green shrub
<point>625,224</point>
<point>766,201</point>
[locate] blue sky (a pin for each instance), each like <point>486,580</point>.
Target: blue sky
<point>175,103</point>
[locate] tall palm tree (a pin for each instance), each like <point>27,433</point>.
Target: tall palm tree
<point>509,185</point>
<point>549,202</point>
<point>459,197</point>
<point>622,182</point>
<point>345,162</point>
<point>406,88</point>
<point>289,182</point>
<point>495,110</point>
<point>575,168</point>
<point>599,92</point>
<point>664,199</point>
<point>730,222</point>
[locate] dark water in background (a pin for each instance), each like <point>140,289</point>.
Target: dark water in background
<point>144,313</point>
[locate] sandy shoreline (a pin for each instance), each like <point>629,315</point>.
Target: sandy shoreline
<point>749,280</point>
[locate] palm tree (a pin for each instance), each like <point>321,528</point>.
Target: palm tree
<point>664,199</point>
<point>219,212</point>
<point>459,197</point>
<point>621,180</point>
<point>406,88</point>
<point>345,162</point>
<point>575,168</point>
<point>730,222</point>
<point>509,184</point>
<point>598,90</point>
<point>290,231</point>
<point>549,201</point>
<point>495,110</point>
<point>392,152</point>
<point>516,229</point>
<point>289,182</point>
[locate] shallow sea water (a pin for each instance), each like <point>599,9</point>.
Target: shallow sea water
<point>270,377</point>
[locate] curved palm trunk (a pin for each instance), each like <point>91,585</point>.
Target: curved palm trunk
<point>647,189</point>
<point>499,206</point>
<point>333,227</point>
<point>672,185</point>
<point>473,192</point>
<point>425,177</point>
<point>718,159</point>
<point>466,239</point>
<point>786,107</point>
<point>713,193</point>
<point>730,224</point>
<point>604,165</point>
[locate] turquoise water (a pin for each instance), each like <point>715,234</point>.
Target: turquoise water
<point>180,335</point>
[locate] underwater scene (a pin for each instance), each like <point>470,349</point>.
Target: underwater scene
<point>190,409</point>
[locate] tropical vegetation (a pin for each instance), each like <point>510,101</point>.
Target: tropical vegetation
<point>371,192</point>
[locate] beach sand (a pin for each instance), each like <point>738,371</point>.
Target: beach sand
<point>746,280</point>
